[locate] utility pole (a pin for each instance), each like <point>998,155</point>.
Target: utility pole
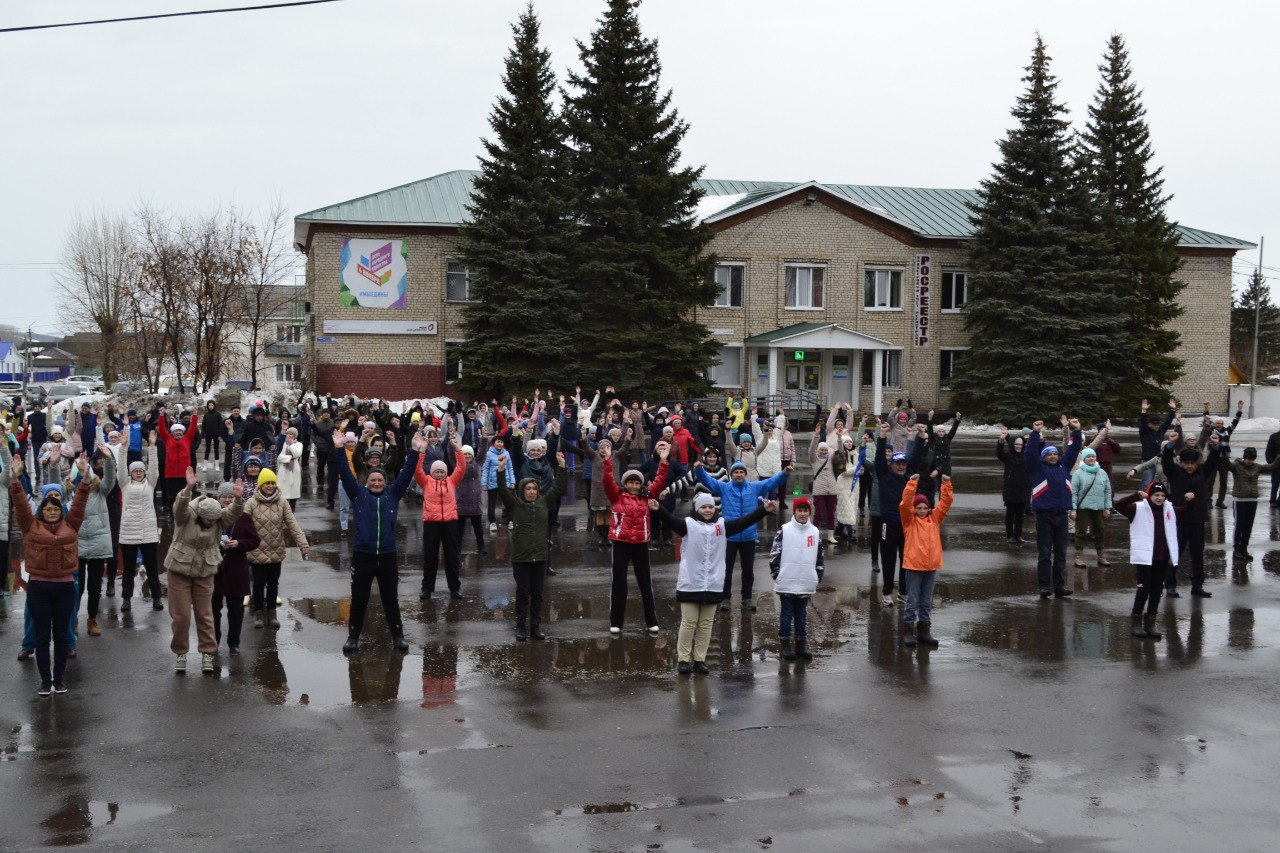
<point>1257,323</point>
<point>26,364</point>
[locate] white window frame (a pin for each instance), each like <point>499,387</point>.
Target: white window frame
<point>726,293</point>
<point>890,357</point>
<point>945,384</point>
<point>288,372</point>
<point>946,287</point>
<point>804,266</point>
<point>876,271</point>
<point>449,262</point>
<point>737,380</point>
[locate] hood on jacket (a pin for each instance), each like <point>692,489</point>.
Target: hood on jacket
<point>524,481</point>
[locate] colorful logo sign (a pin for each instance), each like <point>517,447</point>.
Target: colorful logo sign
<point>373,273</point>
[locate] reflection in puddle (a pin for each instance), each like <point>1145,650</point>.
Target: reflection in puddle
<point>71,822</point>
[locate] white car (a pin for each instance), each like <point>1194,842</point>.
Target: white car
<point>92,384</point>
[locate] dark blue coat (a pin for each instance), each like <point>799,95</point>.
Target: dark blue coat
<point>891,485</point>
<point>373,517</point>
<point>1051,484</point>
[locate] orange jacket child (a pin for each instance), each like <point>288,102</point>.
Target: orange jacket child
<point>921,559</point>
<point>439,497</point>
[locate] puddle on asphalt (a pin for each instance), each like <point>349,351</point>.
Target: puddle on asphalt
<point>71,822</point>
<point>625,806</point>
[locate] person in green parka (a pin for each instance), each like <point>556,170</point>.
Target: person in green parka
<point>527,511</point>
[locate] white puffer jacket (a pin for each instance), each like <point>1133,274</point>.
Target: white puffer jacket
<point>289,471</point>
<point>137,499</point>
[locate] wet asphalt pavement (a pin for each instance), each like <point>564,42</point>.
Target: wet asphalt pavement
<point>1036,724</point>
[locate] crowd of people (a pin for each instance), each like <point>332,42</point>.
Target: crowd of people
<point>92,490</point>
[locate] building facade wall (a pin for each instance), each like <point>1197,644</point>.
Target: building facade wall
<point>400,366</point>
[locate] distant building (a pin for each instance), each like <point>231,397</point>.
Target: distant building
<point>52,365</point>
<point>831,292</point>
<point>281,336</point>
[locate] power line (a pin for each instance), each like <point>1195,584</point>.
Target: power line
<point>166,15</point>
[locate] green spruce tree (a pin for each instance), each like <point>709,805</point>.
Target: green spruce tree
<point>639,267</point>
<point>1042,319</point>
<point>1128,194</point>
<point>1256,298</point>
<point>519,326</point>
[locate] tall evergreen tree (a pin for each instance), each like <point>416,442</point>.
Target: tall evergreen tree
<point>639,269</point>
<point>1256,298</point>
<point>1042,320</point>
<point>1128,193</point>
<point>519,325</point>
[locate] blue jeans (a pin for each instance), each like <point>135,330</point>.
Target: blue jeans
<point>793,607</point>
<point>1051,540</point>
<point>1148,477</point>
<point>919,596</point>
<point>51,605</point>
<point>29,624</point>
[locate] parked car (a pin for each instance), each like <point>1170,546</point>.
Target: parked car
<point>126,386</point>
<point>36,391</point>
<point>93,383</point>
<point>58,393</point>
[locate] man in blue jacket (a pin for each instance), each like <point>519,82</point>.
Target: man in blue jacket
<point>1050,475</point>
<point>738,497</point>
<point>374,509</point>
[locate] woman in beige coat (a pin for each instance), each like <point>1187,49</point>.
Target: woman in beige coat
<point>192,562</point>
<point>277,530</point>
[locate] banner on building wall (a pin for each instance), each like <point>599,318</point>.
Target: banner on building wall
<point>924,296</point>
<point>373,273</point>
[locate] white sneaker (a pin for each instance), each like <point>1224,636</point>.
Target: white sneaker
<point>886,600</point>
<point>615,630</point>
<point>206,663</point>
<point>181,665</point>
<point>493,527</point>
<point>653,629</point>
<point>902,599</point>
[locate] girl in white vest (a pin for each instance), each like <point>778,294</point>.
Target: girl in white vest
<point>1153,541</point>
<point>700,584</point>
<point>796,563</point>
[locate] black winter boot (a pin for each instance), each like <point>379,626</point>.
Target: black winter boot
<point>924,634</point>
<point>909,634</point>
<point>521,634</point>
<point>398,640</point>
<point>1149,627</point>
<point>1135,626</point>
<point>802,648</point>
<point>352,644</point>
<point>534,629</point>
<point>784,649</point>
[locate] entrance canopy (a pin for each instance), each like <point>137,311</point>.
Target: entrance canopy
<point>818,336</point>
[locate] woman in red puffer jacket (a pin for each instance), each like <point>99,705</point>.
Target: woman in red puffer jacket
<point>629,533</point>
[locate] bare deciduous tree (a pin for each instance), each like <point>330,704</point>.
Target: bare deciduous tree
<point>271,262</point>
<point>97,279</point>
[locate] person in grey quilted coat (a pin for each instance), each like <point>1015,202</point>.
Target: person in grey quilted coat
<point>96,550</point>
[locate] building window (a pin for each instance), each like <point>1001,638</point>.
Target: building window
<point>727,372</point>
<point>288,372</point>
<point>890,371</point>
<point>805,286</point>
<point>452,363</point>
<point>457,283</point>
<point>289,334</point>
<point>955,290</point>
<point>882,290</point>
<point>729,277</point>
<point>947,361</point>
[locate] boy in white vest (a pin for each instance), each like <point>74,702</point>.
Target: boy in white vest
<point>796,563</point>
<point>700,584</point>
<point>1153,542</point>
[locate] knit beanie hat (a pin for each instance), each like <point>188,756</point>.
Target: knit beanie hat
<point>745,438</point>
<point>702,499</point>
<point>1156,486</point>
<point>50,487</point>
<point>372,452</point>
<point>822,445</point>
<point>1047,450</point>
<point>920,499</point>
<point>136,466</point>
<point>898,457</point>
<point>209,509</point>
<point>801,503</point>
<point>736,466</point>
<point>1251,453</point>
<point>1089,453</point>
<point>438,467</point>
<point>1189,454</point>
<point>468,450</point>
<point>177,428</point>
<point>349,436</point>
<point>416,417</point>
<point>266,475</point>
<point>538,444</point>
<point>252,460</point>
<point>226,489</point>
<point>902,417</point>
<point>677,421</point>
<point>633,474</point>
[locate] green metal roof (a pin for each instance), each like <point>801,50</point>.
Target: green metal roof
<point>937,213</point>
<point>786,332</point>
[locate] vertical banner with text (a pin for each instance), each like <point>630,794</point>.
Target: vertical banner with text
<point>924,296</point>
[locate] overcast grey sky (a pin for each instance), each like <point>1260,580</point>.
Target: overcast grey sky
<point>321,104</point>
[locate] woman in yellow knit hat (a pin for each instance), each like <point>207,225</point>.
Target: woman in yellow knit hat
<point>277,530</point>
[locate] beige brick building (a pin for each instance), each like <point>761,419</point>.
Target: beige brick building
<point>830,291</point>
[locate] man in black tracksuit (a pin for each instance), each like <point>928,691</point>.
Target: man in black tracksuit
<point>1186,474</point>
<point>892,476</point>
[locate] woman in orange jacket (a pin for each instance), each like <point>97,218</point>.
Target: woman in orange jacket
<point>439,518</point>
<point>921,556</point>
